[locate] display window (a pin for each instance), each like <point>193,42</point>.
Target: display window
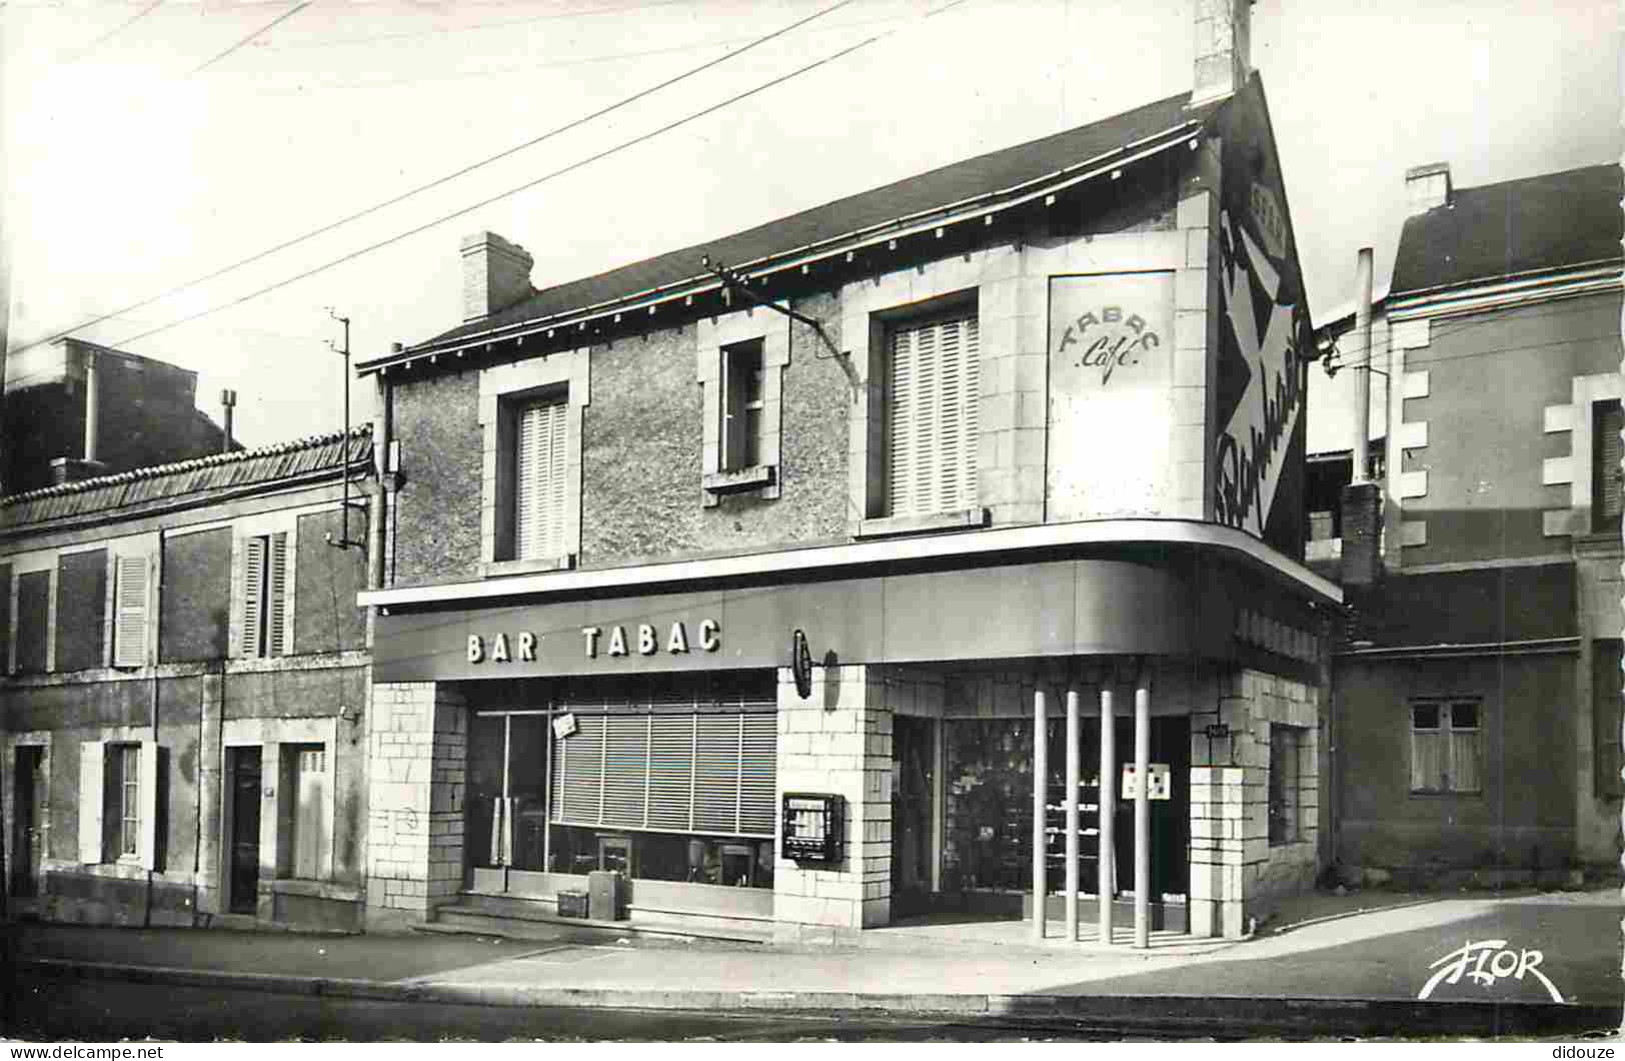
<point>668,778</point>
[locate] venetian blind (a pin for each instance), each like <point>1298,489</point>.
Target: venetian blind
<point>539,482</point>
<point>1609,451</point>
<point>701,773</point>
<point>932,382</point>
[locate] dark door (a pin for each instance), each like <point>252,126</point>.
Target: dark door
<point>245,830</point>
<point>27,834</point>
<point>912,748</point>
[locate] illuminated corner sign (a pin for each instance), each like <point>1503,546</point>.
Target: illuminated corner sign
<point>645,639</point>
<point>1261,631</point>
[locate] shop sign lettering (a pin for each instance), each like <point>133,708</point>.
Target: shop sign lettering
<point>643,639</point>
<point>1110,341</point>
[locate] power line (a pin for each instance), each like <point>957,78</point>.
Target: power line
<point>274,22</point>
<point>1418,361</point>
<point>418,190</point>
<point>110,34</point>
<point>625,144</point>
<point>478,26</point>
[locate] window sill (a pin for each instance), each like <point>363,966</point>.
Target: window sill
<point>1432,793</point>
<point>754,477</point>
<point>887,526</point>
<point>504,568</point>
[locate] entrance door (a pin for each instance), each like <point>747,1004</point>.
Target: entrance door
<point>28,832</point>
<point>913,745</point>
<point>244,766</point>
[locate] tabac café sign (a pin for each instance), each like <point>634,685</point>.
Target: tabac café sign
<point>642,639</point>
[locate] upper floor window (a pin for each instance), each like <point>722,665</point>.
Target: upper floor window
<point>1607,477</point>
<point>265,594</point>
<point>742,404</point>
<point>931,380</point>
<point>1445,749</point>
<point>541,463</point>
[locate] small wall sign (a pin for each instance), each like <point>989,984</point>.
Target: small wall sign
<point>564,726</point>
<point>1161,782</point>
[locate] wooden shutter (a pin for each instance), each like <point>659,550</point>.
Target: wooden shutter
<point>310,838</point>
<point>92,778</point>
<point>539,481</point>
<point>1607,494</point>
<point>130,612</point>
<point>253,596</point>
<point>276,582</point>
<point>148,791</point>
<point>933,383</point>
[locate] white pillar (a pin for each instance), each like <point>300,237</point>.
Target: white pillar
<point>1142,812</point>
<point>1040,778</point>
<point>939,766</point>
<point>1108,808</point>
<point>1072,814</point>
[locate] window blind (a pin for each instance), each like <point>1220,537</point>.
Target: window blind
<point>1609,451</point>
<point>539,481</point>
<point>130,620</point>
<point>703,773</point>
<point>932,382</point>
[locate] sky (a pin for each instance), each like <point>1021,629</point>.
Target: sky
<point>145,146</point>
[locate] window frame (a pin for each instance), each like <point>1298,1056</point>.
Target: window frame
<point>969,412</point>
<point>1607,711</point>
<point>1602,522</point>
<point>1445,729</point>
<point>740,434</point>
<point>1283,792</point>
<point>271,622</point>
<point>764,332</point>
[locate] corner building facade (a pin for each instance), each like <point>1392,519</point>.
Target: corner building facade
<point>788,588</point>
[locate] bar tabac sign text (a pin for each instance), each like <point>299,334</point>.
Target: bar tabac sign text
<point>643,639</point>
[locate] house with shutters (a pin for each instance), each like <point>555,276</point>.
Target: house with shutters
<point>857,567</point>
<point>187,676</point>
<point>1477,690</point>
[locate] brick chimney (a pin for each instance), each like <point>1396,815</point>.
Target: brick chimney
<point>1223,48</point>
<point>1427,187</point>
<point>496,275</point>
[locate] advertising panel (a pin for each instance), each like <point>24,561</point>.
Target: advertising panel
<point>1111,366</point>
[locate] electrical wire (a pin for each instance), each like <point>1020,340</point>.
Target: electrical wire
<point>562,171</point>
<point>265,28</point>
<point>418,190</point>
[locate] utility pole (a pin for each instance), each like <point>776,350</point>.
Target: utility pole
<point>344,541</point>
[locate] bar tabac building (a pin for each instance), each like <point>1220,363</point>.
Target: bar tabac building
<point>813,577</point>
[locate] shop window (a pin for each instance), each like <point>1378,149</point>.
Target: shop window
<point>1286,743</point>
<point>304,812</point>
<point>931,383</point>
<point>120,794</point>
<point>1445,746</point>
<point>541,463</point>
<point>742,405</point>
<point>1607,476</point>
<point>265,604</point>
<point>131,602</point>
<point>1606,709</point>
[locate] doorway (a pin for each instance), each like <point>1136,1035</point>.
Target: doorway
<point>28,845</point>
<point>243,876</point>
<point>913,781</point>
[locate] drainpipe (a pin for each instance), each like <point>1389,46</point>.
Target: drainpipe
<point>1040,783</point>
<point>1361,443</point>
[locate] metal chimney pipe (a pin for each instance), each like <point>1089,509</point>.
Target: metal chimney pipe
<point>92,401</point>
<point>228,401</point>
<point>1360,451</point>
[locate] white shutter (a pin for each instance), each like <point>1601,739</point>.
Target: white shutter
<point>716,774</point>
<point>253,595</point>
<point>932,382</point>
<point>578,773</point>
<point>758,774</point>
<point>539,481</point>
<point>130,612</point>
<point>149,804</point>
<point>276,583</point>
<point>626,770</point>
<point>92,774</point>
<point>671,772</point>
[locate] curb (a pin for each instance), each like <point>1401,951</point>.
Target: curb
<point>1208,1015</point>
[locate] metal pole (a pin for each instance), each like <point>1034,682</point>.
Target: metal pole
<point>1040,781</point>
<point>1142,811</point>
<point>1361,451</point>
<point>1072,772</point>
<point>1107,886</point>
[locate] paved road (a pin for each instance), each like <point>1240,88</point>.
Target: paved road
<point>99,1011</point>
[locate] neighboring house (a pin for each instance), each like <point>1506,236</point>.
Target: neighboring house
<point>1020,431</point>
<point>74,409</point>
<point>188,677</point>
<point>1478,696</point>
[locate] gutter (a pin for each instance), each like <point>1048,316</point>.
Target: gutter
<point>983,205</point>
<point>1542,646</point>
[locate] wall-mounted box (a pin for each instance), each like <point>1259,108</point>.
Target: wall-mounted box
<point>814,826</point>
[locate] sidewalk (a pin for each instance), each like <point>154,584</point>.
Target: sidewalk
<point>1361,953</point>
